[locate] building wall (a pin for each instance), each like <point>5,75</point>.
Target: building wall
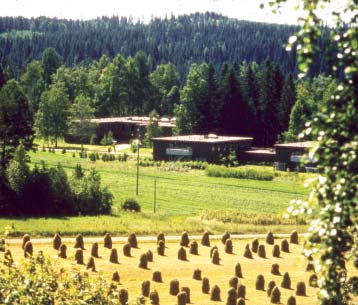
<point>283,155</point>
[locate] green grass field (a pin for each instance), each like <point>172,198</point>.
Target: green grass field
<point>184,201</point>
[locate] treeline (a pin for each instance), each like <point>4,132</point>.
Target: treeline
<point>43,191</point>
<point>182,40</point>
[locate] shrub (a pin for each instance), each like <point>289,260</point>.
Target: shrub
<point>291,300</point>
<point>182,254</point>
<point>145,288</point>
<point>94,250</point>
<point>248,253</point>
<point>174,287</point>
<point>127,249</point>
<point>131,204</point>
<point>301,289</point>
<point>149,255</point>
<point>116,277</point>
<point>215,259</point>
<point>255,245</point>
<point>276,251</point>
<point>79,243</point>
<point>241,291</point>
<point>197,274</point>
<point>262,251</point>
<point>275,269</point>
<point>154,297</point>
<point>113,257</point>
<point>260,282</point>
<point>184,241</point>
<point>238,271</point>
<point>312,281</point>
<point>205,240</point>
<point>79,257</point>
<point>107,241</point>
<point>91,264</point>
<point>225,237</point>
<point>240,173</point>
<point>161,248</point>
<point>56,242</point>
<point>8,260</point>
<point>181,297</point>
<point>215,293</point>
<point>157,277</point>
<point>271,284</point>
<point>28,249</point>
<point>194,248</point>
<point>294,237</point>
<point>2,244</point>
<point>241,301</point>
<point>25,239</point>
<point>205,285</point>
<point>286,281</point>
<point>228,246</point>
<point>160,237</point>
<point>270,240</point>
<point>233,282</point>
<point>143,261</point>
<point>275,296</point>
<point>285,246</point>
<point>187,292</point>
<point>92,157</point>
<point>62,251</point>
<point>123,297</point>
<point>231,296</point>
<point>132,240</point>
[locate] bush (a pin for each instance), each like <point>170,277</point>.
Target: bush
<point>312,281</point>
<point>160,237</point>
<point>270,240</point>
<point>28,249</point>
<point>240,173</point>
<point>270,286</point>
<point>241,301</point>
<point>161,248</point>
<point>91,264</point>
<point>276,251</point>
<point>225,237</point>
<point>127,249</point>
<point>228,246</point>
<point>79,243</point>
<point>132,240</point>
<point>285,246</point>
<point>294,237</point>
<point>275,269</point>
<point>291,300</point>
<point>233,282</point>
<point>131,204</point>
<point>79,257</point>
<point>215,259</point>
<point>149,255</point>
<point>241,291</point>
<point>181,297</point>
<point>25,239</point>
<point>194,248</point>
<point>182,254</point>
<point>248,253</point>
<point>116,277</point>
<point>255,245</point>
<point>187,292</point>
<point>143,261</point>
<point>123,297</point>
<point>8,260</point>
<point>262,251</point>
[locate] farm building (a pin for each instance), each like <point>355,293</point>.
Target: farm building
<point>208,148</point>
<point>291,155</point>
<point>126,128</point>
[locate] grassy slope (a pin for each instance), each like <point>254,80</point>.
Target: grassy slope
<point>184,199</point>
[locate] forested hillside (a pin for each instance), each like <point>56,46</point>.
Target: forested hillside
<point>180,40</point>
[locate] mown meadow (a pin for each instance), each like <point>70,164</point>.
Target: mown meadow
<point>174,199</point>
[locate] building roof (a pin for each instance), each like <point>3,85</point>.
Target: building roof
<point>137,120</point>
<point>260,151</point>
<point>307,144</point>
<point>210,138</point>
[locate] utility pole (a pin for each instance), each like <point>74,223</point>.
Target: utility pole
<point>138,142</point>
<point>155,195</point>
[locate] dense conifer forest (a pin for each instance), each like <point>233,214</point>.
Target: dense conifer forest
<point>182,40</point>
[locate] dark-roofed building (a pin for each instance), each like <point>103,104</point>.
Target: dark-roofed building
<point>208,148</point>
<point>126,128</point>
<point>290,155</point>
